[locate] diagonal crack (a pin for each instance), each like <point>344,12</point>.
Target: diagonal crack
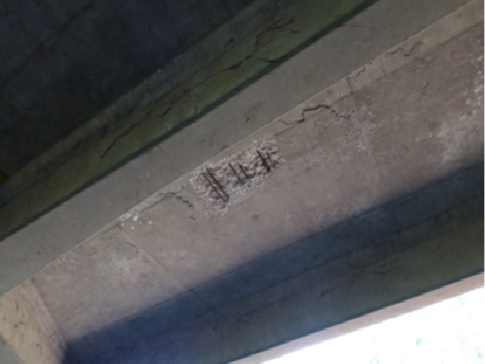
<point>134,125</point>
<point>177,98</point>
<point>278,25</point>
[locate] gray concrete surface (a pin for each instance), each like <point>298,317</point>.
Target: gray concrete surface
<point>28,328</point>
<point>327,60</point>
<point>378,198</point>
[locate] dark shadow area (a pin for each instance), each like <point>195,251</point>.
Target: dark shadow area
<point>435,208</point>
<point>78,57</point>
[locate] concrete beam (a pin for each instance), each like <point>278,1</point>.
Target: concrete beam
<point>332,57</point>
<point>228,68</point>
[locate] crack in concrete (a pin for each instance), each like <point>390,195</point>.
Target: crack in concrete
<point>275,27</point>
<point>328,290</point>
<point>20,323</point>
<point>365,39</point>
<point>128,130</point>
<point>182,199</point>
<point>302,118</point>
<point>362,70</point>
<point>271,29</point>
<point>403,52</point>
<point>185,92</point>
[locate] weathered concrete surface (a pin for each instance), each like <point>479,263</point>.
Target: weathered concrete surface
<point>378,198</point>
<point>28,328</point>
<point>347,270</point>
<point>338,53</point>
<point>111,264</point>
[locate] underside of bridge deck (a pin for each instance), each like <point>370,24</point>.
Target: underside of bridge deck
<point>291,166</point>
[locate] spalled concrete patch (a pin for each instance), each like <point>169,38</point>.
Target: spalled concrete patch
<point>221,184</point>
